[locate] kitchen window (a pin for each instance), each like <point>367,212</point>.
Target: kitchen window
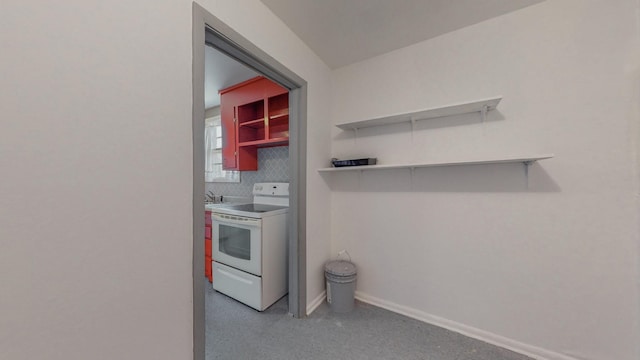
<point>213,171</point>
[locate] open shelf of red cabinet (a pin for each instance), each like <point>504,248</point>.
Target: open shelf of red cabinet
<point>279,115</point>
<point>265,143</point>
<point>259,123</point>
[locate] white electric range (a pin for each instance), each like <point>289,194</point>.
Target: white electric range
<point>250,247</point>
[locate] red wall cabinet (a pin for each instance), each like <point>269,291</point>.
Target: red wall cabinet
<point>255,114</point>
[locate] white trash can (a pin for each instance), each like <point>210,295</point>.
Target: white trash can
<point>341,285</point>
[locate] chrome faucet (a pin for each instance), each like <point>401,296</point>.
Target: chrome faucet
<point>210,197</point>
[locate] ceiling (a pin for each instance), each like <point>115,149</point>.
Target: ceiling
<point>220,71</point>
<point>342,32</point>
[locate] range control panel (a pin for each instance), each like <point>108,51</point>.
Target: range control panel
<point>272,189</point>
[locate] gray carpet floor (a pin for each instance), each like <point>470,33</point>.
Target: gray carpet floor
<point>236,331</point>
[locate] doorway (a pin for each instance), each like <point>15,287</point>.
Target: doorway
<point>209,30</point>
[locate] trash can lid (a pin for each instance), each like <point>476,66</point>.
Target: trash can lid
<point>340,268</point>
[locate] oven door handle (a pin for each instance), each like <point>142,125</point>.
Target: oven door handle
<point>236,220</point>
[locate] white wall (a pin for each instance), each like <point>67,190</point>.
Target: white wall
<point>95,152</point>
<point>551,270</point>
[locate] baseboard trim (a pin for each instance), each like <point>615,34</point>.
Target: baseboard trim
<point>488,337</point>
<point>313,305</point>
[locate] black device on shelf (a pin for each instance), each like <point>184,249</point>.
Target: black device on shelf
<point>353,162</point>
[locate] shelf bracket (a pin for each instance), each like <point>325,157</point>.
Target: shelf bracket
<point>413,126</point>
<point>526,171</point>
<point>483,112</point>
<point>355,135</point>
<point>411,179</point>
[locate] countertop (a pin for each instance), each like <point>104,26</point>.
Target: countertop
<point>228,200</point>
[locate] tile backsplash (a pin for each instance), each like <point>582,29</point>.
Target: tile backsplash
<point>273,166</point>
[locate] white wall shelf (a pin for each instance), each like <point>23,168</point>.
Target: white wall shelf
<point>526,160</point>
<point>482,106</point>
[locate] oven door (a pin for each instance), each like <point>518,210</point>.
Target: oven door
<point>237,242</point>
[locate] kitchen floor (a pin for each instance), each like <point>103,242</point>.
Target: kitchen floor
<point>236,331</point>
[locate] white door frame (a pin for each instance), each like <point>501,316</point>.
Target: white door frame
<point>210,30</point>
